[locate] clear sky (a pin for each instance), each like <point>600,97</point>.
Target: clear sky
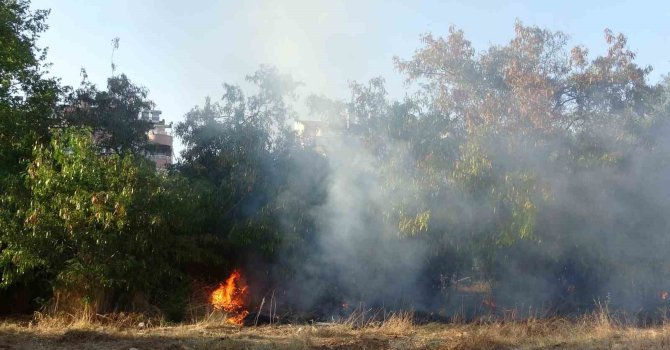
<point>183,51</point>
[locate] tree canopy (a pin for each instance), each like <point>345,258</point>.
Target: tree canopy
<point>537,169</point>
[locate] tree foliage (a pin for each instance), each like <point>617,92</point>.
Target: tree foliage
<point>491,171</point>
<point>112,114</point>
<point>99,224</point>
<point>27,98</point>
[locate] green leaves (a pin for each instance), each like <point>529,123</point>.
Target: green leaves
<point>27,98</point>
<point>112,114</point>
<point>104,222</point>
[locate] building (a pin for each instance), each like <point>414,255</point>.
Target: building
<point>159,148</point>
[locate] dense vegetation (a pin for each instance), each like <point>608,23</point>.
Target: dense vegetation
<point>530,167</point>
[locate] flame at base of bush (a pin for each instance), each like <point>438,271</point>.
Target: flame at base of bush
<point>230,297</point>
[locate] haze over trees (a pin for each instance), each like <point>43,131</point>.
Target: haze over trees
<point>536,169</point>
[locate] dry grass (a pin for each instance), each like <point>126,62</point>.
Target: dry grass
<point>395,331</point>
<point>85,320</point>
<point>481,287</point>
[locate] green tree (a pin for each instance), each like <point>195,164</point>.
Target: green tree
<point>101,227</point>
<point>27,102</point>
<point>112,114</point>
<point>232,148</point>
<point>27,97</point>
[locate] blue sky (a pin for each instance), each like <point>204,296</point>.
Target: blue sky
<point>183,51</point>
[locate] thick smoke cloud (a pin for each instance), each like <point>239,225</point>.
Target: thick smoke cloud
<point>357,256</point>
<point>600,235</point>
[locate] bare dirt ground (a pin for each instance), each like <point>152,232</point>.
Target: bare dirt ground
<point>398,333</point>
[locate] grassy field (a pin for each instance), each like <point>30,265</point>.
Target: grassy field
<point>397,332</point>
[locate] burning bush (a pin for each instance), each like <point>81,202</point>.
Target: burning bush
<point>230,297</point>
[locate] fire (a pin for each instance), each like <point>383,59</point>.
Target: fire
<point>664,295</point>
<point>230,297</point>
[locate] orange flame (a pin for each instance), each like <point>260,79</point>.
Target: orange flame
<point>664,295</point>
<point>230,297</point>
